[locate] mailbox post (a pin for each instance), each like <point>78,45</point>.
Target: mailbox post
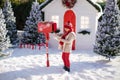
<point>46,28</point>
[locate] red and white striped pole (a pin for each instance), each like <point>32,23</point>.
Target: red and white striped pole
<point>47,54</point>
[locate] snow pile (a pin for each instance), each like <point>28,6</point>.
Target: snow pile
<point>27,64</point>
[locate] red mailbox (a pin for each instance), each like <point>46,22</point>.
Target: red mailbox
<point>46,28</point>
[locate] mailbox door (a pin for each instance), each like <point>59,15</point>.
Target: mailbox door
<point>44,27</point>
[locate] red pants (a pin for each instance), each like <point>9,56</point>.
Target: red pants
<point>65,57</point>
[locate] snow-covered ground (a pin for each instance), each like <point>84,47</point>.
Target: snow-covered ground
<point>27,64</point>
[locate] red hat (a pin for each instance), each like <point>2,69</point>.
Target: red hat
<point>68,26</point>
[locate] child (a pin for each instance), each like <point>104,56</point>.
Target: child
<point>65,44</point>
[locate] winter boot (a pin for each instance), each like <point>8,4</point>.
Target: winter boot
<point>66,68</point>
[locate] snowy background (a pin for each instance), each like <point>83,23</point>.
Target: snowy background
<point>28,64</point>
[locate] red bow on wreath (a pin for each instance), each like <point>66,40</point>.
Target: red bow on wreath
<point>69,3</point>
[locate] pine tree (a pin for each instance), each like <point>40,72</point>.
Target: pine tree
<point>30,35</point>
<point>10,22</point>
<point>108,33</point>
<point>119,4</point>
<point>4,40</point>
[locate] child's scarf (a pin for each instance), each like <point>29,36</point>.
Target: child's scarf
<point>65,34</point>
